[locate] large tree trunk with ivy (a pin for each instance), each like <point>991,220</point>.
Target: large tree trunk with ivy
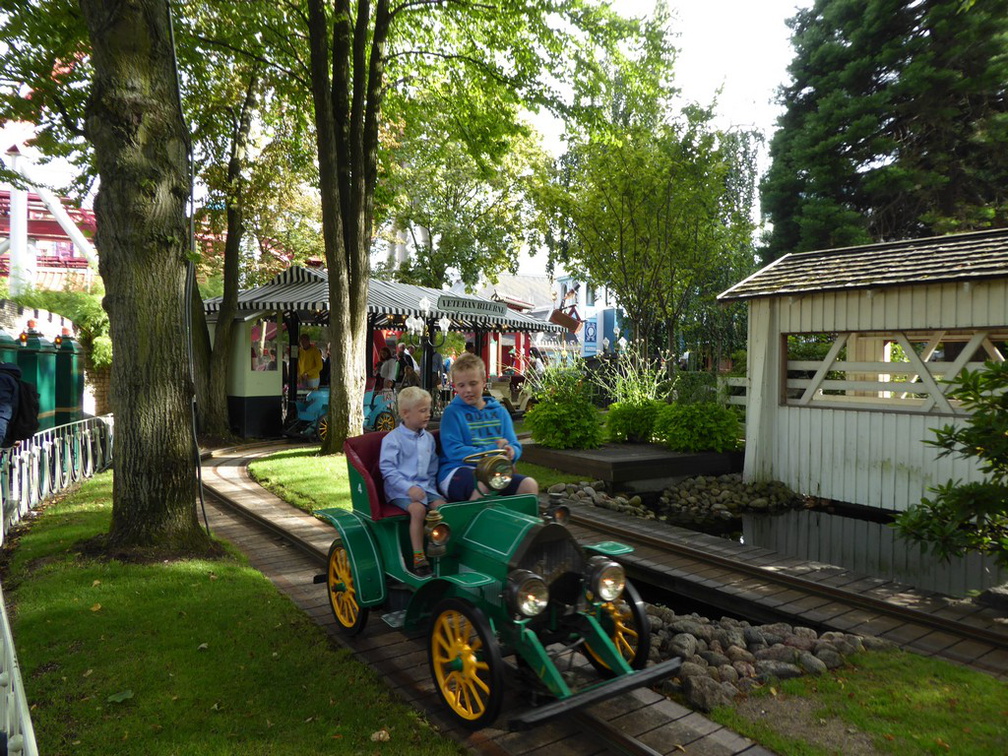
<point>140,142</point>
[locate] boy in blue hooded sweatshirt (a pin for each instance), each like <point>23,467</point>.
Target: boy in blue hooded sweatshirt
<point>473,423</point>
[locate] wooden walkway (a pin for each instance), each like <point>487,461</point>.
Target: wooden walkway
<point>664,726</point>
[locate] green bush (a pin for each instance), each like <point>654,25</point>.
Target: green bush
<point>697,427</point>
<point>632,421</point>
<point>969,517</point>
<point>571,424</point>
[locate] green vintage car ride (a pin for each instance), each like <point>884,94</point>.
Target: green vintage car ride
<point>509,581</point>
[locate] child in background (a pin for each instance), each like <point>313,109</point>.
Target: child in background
<point>473,423</point>
<point>408,465</point>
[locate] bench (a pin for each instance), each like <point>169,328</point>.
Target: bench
<point>364,454</point>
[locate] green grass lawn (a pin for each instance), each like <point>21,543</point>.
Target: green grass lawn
<point>187,657</point>
<point>895,702</point>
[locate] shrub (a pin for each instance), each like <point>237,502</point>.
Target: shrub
<point>571,424</point>
<point>965,517</point>
<point>632,421</point>
<point>697,427</point>
<point>632,377</point>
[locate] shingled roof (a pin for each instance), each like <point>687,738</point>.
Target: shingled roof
<point>939,259</point>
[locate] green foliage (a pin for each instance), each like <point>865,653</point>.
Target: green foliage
<point>695,387</point>
<point>698,428</point>
<point>125,657</point>
<point>630,376</point>
<point>632,421</point>
<point>562,379</point>
<point>905,703</point>
<point>85,310</point>
<point>962,518</point>
<point>893,127</point>
<point>659,215</point>
<point>573,423</point>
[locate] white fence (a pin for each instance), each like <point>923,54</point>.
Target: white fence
<point>29,473</point>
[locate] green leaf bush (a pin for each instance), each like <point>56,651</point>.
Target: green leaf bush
<point>969,517</point>
<point>570,424</point>
<point>697,428</point>
<point>632,421</point>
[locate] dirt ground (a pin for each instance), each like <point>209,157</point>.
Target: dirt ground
<point>796,718</point>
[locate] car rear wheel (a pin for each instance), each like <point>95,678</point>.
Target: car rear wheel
<point>350,616</point>
<point>465,662</point>
<point>626,623</point>
<point>385,421</point>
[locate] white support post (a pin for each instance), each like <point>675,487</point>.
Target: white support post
<point>764,375</point>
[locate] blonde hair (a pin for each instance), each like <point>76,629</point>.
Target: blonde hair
<point>411,396</point>
<point>466,362</point>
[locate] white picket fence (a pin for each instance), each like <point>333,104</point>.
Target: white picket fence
<point>29,473</point>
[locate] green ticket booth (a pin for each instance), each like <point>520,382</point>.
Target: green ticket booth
<point>37,359</point>
<point>254,383</point>
<point>69,391</point>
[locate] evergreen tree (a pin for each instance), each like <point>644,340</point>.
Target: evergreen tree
<point>894,125</point>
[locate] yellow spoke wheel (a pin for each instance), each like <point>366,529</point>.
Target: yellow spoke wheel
<point>385,421</point>
<point>626,623</point>
<point>466,664</point>
<point>322,428</point>
<point>350,616</point>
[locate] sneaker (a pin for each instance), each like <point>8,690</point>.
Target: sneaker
<point>422,568</point>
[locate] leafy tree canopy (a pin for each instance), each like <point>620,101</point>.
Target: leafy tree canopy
<point>894,125</point>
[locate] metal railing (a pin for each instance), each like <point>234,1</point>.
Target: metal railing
<point>29,473</point>
<point>49,462</point>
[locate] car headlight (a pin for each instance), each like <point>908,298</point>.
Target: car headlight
<point>526,593</point>
<point>437,532</point>
<point>559,513</point>
<point>495,471</point>
<point>606,578</point>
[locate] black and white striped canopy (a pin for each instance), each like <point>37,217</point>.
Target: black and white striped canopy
<point>306,291</point>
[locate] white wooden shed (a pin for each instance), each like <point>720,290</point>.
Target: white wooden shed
<point>896,319</point>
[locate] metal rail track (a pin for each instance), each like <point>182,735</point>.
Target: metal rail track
<point>601,730</point>
<point>613,529</point>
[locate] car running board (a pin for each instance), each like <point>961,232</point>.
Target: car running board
<point>638,679</point>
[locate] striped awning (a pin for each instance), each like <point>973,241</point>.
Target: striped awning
<point>306,291</point>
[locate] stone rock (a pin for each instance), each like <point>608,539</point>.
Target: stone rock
<point>715,659</point>
<point>770,668</point>
<point>829,657</point>
<point>797,641</point>
<point>738,653</point>
<point>705,694</point>
<point>689,669</point>
<point>728,673</point>
<point>871,643</point>
<point>682,644</point>
<point>778,652</point>
<point>811,664</point>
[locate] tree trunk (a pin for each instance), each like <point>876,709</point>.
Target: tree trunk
<point>140,142</point>
<point>216,423</point>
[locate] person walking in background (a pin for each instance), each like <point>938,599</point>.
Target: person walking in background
<point>324,373</point>
<point>386,371</point>
<point>309,363</point>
